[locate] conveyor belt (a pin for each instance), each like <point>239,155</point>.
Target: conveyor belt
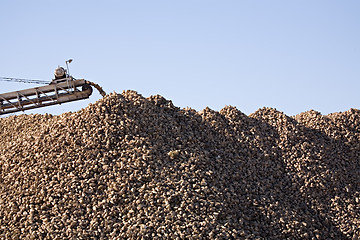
<point>57,93</point>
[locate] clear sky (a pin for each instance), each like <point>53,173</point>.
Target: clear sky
<point>290,55</point>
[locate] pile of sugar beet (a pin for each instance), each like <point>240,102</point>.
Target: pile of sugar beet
<point>130,167</point>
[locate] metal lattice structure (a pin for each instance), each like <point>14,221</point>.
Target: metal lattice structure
<point>67,90</point>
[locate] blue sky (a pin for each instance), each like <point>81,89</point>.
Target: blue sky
<point>290,55</point>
